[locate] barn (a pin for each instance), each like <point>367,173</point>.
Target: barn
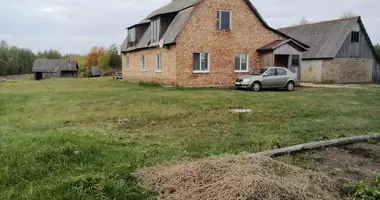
<point>54,68</point>
<point>340,52</point>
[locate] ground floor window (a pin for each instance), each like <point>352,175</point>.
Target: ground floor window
<point>143,63</point>
<point>126,60</point>
<point>158,62</point>
<point>201,62</point>
<point>241,62</point>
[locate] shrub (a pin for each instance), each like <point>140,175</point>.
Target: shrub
<point>364,190</point>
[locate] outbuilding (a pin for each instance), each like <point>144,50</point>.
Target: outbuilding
<point>340,52</point>
<point>54,68</point>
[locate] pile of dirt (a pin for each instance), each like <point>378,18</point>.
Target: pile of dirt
<point>238,177</point>
<point>360,161</point>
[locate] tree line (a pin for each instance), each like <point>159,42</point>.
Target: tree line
<point>377,48</point>
<point>15,60</point>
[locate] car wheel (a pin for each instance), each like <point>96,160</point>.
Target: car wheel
<point>290,86</point>
<point>256,86</point>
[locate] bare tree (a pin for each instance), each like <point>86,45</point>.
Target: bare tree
<point>347,14</point>
<point>4,44</point>
<point>304,21</point>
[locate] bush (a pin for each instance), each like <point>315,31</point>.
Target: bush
<point>364,190</point>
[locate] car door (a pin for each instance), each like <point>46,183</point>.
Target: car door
<point>269,78</point>
<point>281,77</point>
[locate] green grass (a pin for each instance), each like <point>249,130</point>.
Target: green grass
<point>84,138</point>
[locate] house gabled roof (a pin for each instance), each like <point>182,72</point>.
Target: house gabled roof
<point>326,37</point>
<point>184,9</point>
<point>54,65</point>
<point>173,7</point>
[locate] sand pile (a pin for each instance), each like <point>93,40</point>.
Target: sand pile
<point>244,177</point>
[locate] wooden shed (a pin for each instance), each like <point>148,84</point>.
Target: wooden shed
<point>54,68</point>
<point>283,53</point>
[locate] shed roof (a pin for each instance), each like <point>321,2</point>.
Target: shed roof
<point>54,65</point>
<point>184,9</point>
<point>277,43</point>
<point>326,37</point>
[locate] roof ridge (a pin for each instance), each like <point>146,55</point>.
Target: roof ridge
<point>325,21</point>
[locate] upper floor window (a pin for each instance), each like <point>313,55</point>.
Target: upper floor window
<point>241,62</point>
<point>155,30</point>
<point>201,62</point>
<point>355,36</point>
<point>224,20</point>
<point>132,35</point>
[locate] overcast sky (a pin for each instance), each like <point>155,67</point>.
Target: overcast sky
<point>74,26</point>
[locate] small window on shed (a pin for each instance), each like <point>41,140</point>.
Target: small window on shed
<point>295,60</point>
<point>355,36</point>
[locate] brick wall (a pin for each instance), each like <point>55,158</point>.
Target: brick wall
<point>200,35</point>
<point>347,70</point>
<point>168,65</point>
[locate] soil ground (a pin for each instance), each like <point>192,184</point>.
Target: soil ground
<point>354,162</point>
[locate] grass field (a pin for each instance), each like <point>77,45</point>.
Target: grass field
<point>83,138</point>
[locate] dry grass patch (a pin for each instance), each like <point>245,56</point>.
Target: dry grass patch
<point>238,177</point>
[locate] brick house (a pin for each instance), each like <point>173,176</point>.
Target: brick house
<point>205,43</point>
<point>340,52</point>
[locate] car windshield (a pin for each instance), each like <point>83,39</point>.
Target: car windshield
<point>258,71</point>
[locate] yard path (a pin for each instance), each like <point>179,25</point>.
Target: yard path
<point>353,86</point>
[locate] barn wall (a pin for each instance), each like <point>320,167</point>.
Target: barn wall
<point>47,75</point>
<point>68,74</point>
<point>355,50</point>
<point>347,70</point>
<point>311,71</point>
<point>376,72</point>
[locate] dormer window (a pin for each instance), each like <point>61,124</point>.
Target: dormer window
<point>224,20</point>
<point>155,30</point>
<point>132,35</point>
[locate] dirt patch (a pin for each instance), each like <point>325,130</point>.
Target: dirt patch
<point>359,161</point>
<point>238,177</point>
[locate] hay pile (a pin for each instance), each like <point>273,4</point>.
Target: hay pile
<point>238,177</point>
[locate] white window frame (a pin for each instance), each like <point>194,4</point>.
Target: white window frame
<point>240,57</point>
<point>200,63</point>
<point>132,35</point>
<point>155,30</point>
<point>143,63</point>
<point>158,63</point>
<point>127,63</point>
<point>220,20</point>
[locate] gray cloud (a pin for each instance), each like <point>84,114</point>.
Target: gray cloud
<point>73,26</point>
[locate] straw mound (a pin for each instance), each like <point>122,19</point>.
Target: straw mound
<point>238,177</point>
